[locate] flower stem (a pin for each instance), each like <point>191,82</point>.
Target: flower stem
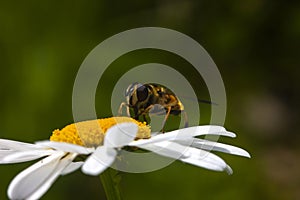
<point>111,180</point>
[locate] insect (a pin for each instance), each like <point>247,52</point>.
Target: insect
<point>141,98</point>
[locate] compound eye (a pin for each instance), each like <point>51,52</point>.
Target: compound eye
<point>142,93</point>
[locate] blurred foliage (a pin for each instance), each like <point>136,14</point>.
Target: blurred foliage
<point>254,43</point>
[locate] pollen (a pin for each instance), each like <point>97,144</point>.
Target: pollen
<point>91,133</point>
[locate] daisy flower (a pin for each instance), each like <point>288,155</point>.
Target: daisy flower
<point>99,141</point>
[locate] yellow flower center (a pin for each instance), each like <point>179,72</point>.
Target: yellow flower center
<point>91,133</point>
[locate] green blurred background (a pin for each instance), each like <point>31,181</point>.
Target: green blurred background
<point>255,44</point>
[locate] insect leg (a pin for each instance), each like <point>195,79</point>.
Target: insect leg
<point>120,112</point>
<point>186,122</point>
<point>127,110</point>
<point>166,117</point>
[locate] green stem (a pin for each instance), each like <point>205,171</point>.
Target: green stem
<point>111,180</point>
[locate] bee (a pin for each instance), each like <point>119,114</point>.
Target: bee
<point>141,98</point>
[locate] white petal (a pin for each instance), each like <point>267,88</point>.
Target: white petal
<point>205,130</point>
<point>23,156</point>
<point>228,170</point>
<point>101,159</point>
<point>205,159</point>
<point>73,166</point>
<point>66,147</point>
<point>4,153</point>
<point>185,133</point>
<point>42,189</point>
<point>214,146</point>
<point>15,145</point>
<point>34,181</point>
<point>166,148</point>
<point>187,154</point>
<point>120,135</point>
<point>158,138</point>
<point>28,181</point>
